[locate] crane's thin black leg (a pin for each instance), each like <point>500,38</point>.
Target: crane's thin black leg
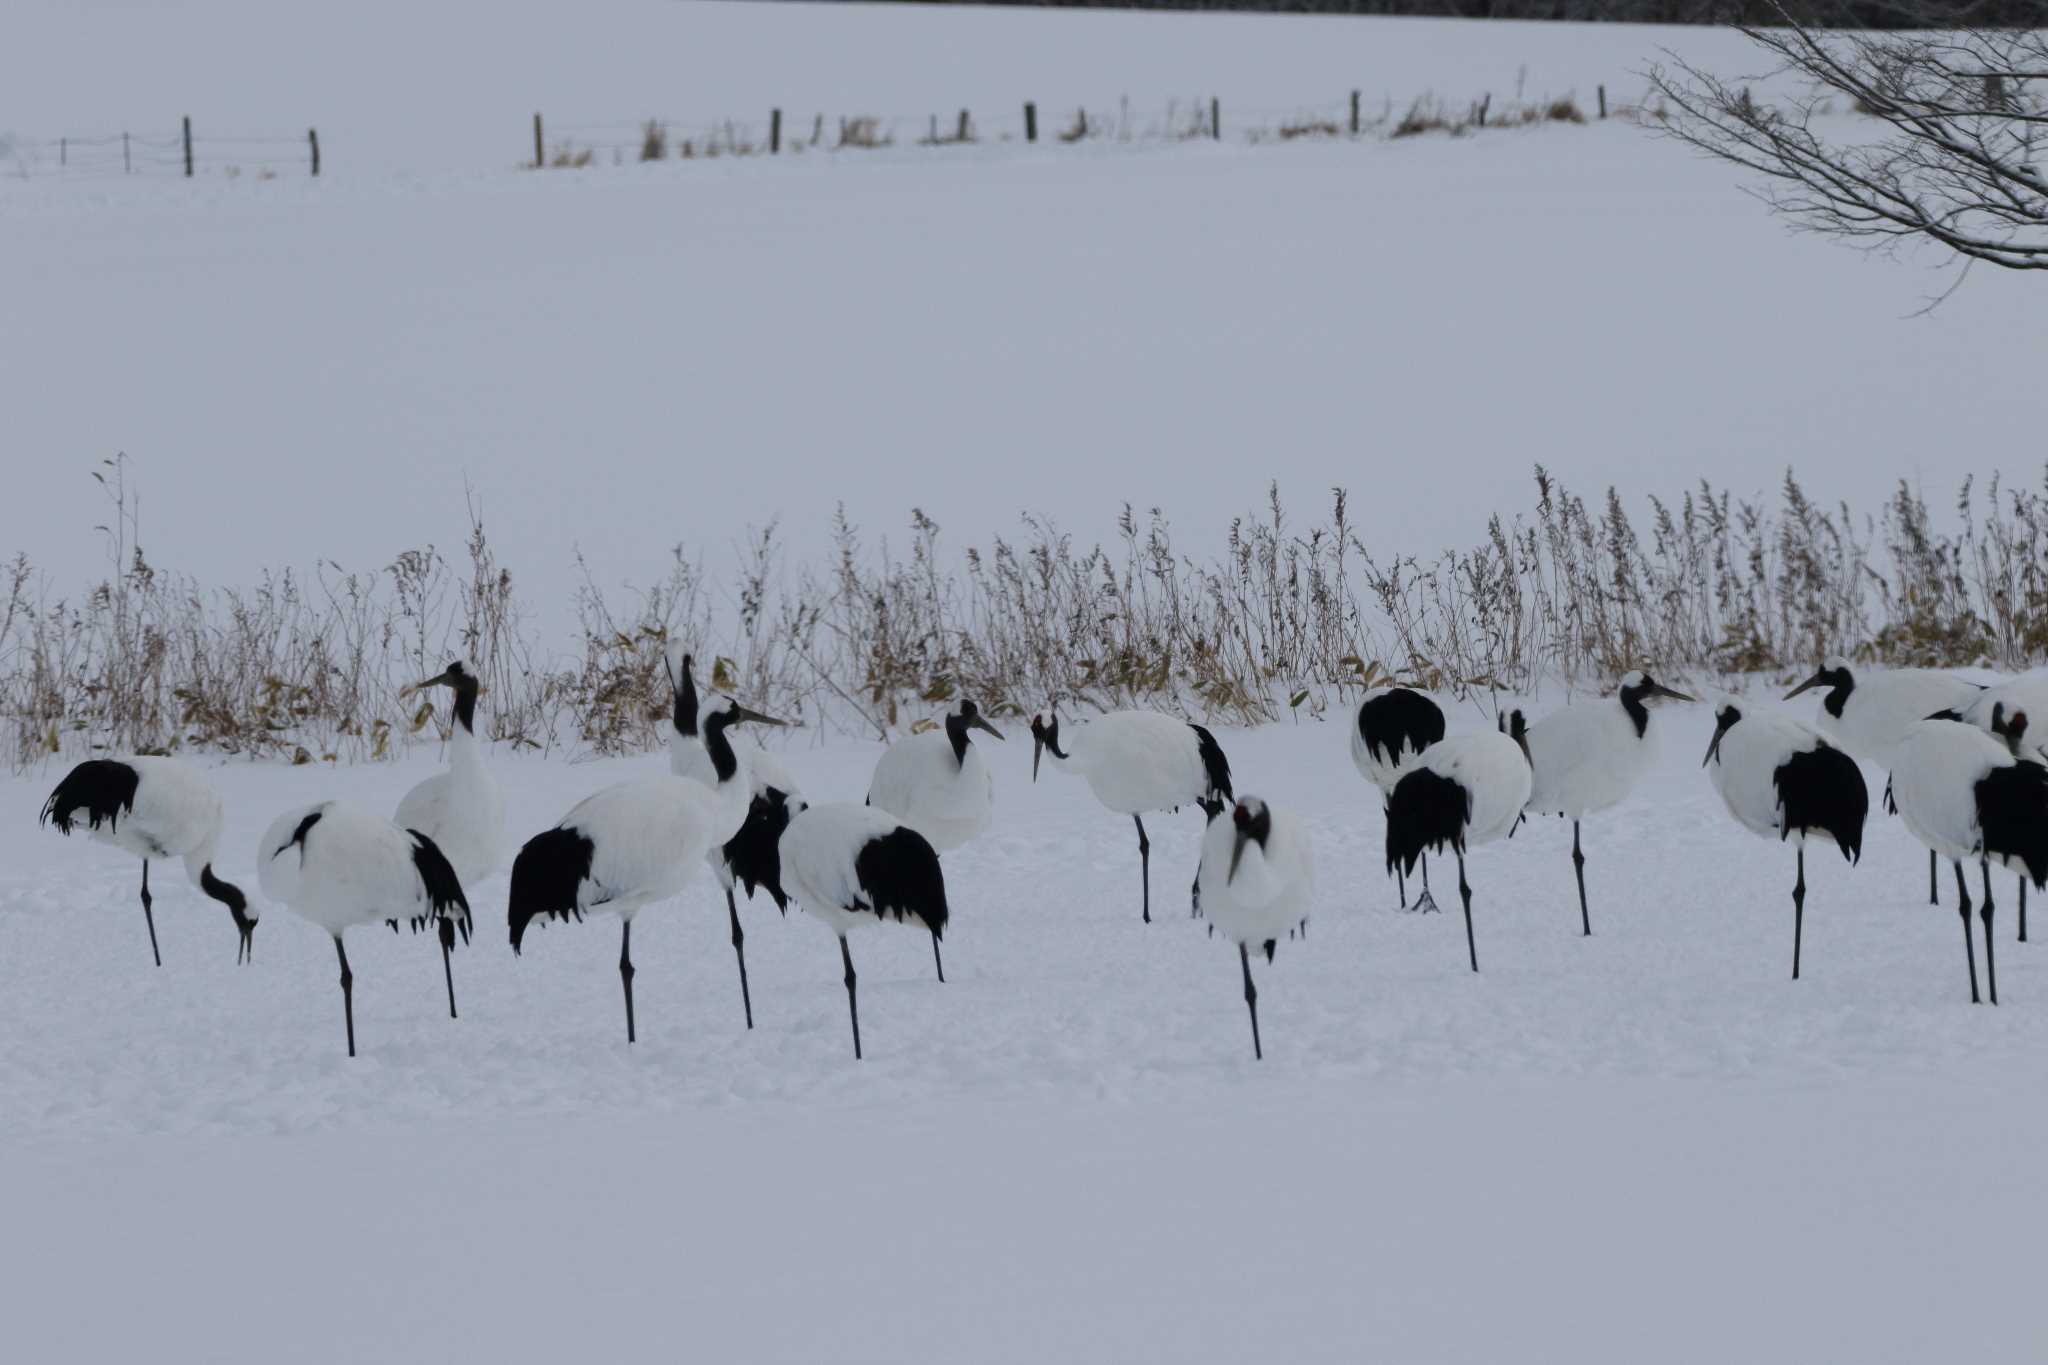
<point>1144,865</point>
<point>1579,870</point>
<point>1401,881</point>
<point>1425,870</point>
<point>1251,1000</point>
<point>148,915</point>
<point>348,994</point>
<point>1933,877</point>
<point>447,970</point>
<point>2023,907</point>
<point>626,974</point>
<point>1969,943</point>
<point>1990,949</point>
<point>852,1005</point>
<point>1798,910</point>
<point>1465,890</point>
<point>937,961</point>
<point>739,950</point>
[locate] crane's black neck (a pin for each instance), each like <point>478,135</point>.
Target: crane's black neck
<point>686,705</point>
<point>1840,686</point>
<point>724,761</point>
<point>1256,827</point>
<point>465,703</point>
<point>1632,703</point>
<point>956,731</point>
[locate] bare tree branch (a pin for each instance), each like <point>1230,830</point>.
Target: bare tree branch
<point>1952,152</point>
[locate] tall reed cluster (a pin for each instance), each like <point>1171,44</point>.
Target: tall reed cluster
<point>1283,616</point>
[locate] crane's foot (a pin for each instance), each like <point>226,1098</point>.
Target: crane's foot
<point>1424,904</point>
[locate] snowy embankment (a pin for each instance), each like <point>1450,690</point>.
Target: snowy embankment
<point>1647,1140</point>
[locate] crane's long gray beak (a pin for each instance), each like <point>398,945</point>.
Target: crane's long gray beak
<point>1662,691</point>
<point>742,713</point>
<point>1037,748</point>
<point>980,724</point>
<point>1817,680</point>
<point>1237,854</point>
<point>1713,748</point>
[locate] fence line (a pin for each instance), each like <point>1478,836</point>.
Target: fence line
<point>183,152</point>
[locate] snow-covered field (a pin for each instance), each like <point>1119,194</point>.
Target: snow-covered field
<point>1650,1144</point>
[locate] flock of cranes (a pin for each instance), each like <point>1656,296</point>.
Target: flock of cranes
<point>1964,778</point>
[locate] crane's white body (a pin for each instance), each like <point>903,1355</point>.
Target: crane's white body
<point>461,810</point>
<point>1495,775</point>
<point>650,835</point>
<point>1744,770</point>
<point>1380,770</point>
<point>949,800</point>
<point>177,814</point>
<point>818,853</point>
<point>1588,757</point>
<point>1274,883</point>
<point>1937,765</point>
<point>1135,761</point>
<point>1882,708</point>
<point>350,868</point>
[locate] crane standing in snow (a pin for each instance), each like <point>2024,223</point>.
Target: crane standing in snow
<point>153,808</point>
<point>633,844</point>
<point>849,866</point>
<point>461,809</point>
<point>1871,714</point>
<point>1779,777</point>
<point>340,867</point>
<point>1138,761</point>
<point>1387,735</point>
<point>1587,758</point>
<point>939,784</point>
<point>749,856</point>
<point>1257,877</point>
<point>1963,794</point>
<point>1464,791</point>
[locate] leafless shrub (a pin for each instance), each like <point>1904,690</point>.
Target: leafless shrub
<point>568,157</point>
<point>653,141</point>
<point>864,132</point>
<point>1425,115</point>
<point>1564,109</point>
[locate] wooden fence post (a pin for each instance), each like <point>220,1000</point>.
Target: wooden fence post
<point>63,151</point>
<point>188,146</point>
<point>127,167</point>
<point>963,126</point>
<point>313,140</point>
<point>539,156</point>
<point>1354,113</point>
<point>933,136</point>
<point>1215,119</point>
<point>1030,121</point>
<point>1485,101</point>
<point>774,132</point>
<point>1603,101</point>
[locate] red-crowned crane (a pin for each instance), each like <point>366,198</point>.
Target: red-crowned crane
<point>1781,778</point>
<point>1257,877</point>
<point>633,844</point>
<point>749,856</point>
<point>939,783</point>
<point>1869,712</point>
<point>340,867</point>
<point>1464,791</point>
<point>153,808</point>
<point>1388,733</point>
<point>1963,794</point>
<point>1134,762</point>
<point>850,866</point>
<point>461,809</point>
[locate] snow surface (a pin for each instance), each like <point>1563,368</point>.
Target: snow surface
<point>1650,1143</point>
<point>621,359</point>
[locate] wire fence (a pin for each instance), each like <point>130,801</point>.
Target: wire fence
<point>188,153</point>
<point>179,152</point>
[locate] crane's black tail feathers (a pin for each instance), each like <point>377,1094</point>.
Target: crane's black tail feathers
<point>1215,767</point>
<point>1427,810</point>
<point>754,855</point>
<point>444,889</point>
<point>2012,811</point>
<point>545,877</point>
<point>1821,789</point>
<point>899,876</point>
<point>100,789</point>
